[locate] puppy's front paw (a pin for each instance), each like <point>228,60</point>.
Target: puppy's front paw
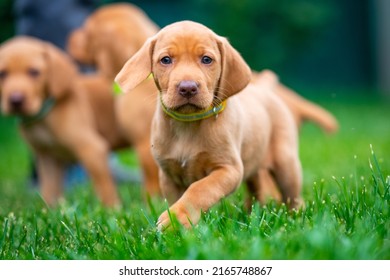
<point>181,214</point>
<point>164,221</point>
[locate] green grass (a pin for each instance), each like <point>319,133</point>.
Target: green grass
<point>346,191</point>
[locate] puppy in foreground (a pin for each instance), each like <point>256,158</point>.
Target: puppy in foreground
<point>212,130</point>
<point>65,117</point>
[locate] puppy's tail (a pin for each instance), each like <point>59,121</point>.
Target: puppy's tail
<point>301,108</point>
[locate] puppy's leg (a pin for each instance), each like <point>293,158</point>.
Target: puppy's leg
<point>268,187</point>
<point>203,194</point>
<point>254,185</point>
<point>262,186</point>
<point>92,152</point>
<point>51,175</point>
<point>288,175</point>
<point>169,189</point>
<point>149,168</point>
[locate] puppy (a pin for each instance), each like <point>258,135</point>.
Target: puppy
<point>110,36</point>
<point>212,129</point>
<point>64,117</point>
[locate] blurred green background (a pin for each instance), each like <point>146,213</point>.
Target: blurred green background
<point>335,52</point>
<point>326,45</point>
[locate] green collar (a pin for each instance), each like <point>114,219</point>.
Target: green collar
<point>47,106</point>
<point>116,89</point>
<point>204,114</point>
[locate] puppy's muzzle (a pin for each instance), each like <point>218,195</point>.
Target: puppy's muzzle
<point>16,101</point>
<point>188,89</point>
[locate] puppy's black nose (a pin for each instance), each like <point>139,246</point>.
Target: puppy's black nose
<point>16,100</point>
<point>187,89</point>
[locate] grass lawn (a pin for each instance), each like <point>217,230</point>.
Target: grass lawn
<point>346,190</point>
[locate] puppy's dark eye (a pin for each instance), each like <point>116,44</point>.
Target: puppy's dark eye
<point>206,59</point>
<point>3,74</point>
<point>32,72</point>
<point>166,60</point>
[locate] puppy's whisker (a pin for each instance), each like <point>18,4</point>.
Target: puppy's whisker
<point>221,93</point>
<point>225,82</point>
<point>216,101</point>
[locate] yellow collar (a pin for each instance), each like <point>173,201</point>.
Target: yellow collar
<point>204,114</point>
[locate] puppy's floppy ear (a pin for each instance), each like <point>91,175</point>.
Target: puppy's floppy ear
<point>61,71</point>
<point>77,46</point>
<point>235,73</point>
<point>137,68</point>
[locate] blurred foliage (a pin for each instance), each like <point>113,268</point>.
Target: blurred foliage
<point>275,29</point>
<point>6,19</point>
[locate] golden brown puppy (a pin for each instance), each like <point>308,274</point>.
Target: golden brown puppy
<point>212,129</point>
<point>64,117</point>
<point>111,35</point>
